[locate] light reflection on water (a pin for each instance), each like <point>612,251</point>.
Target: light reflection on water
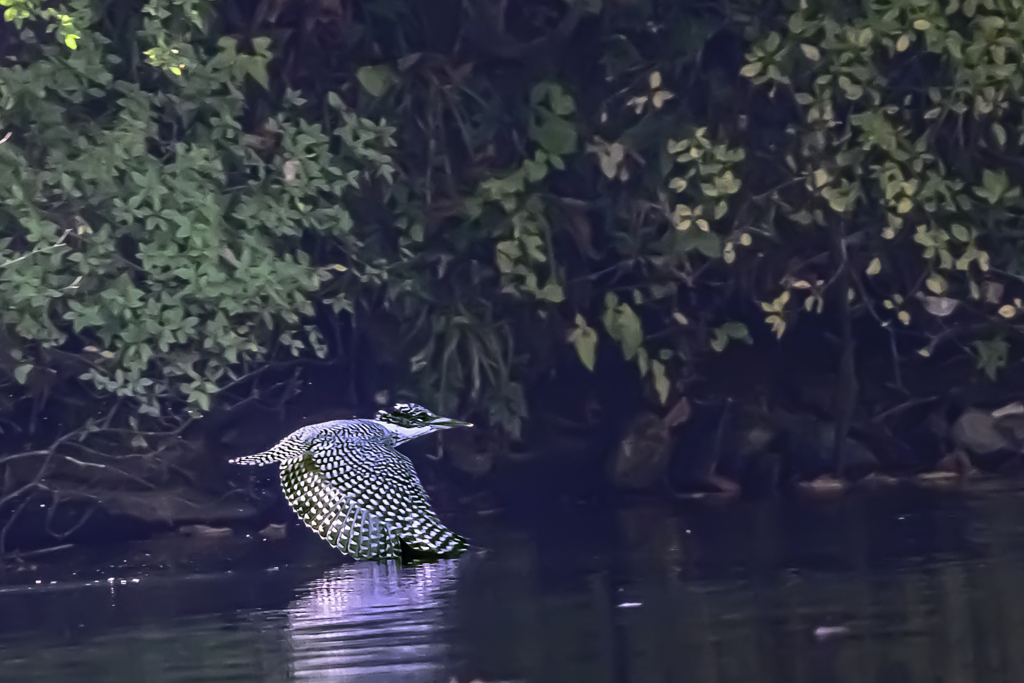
<point>373,622</point>
<point>844,592</point>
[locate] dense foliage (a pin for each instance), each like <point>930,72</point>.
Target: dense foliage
<point>195,191</point>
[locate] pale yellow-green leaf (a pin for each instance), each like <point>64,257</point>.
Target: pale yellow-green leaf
<point>1008,311</point>
<point>751,70</point>
<point>655,80</point>
<point>820,177</point>
<point>660,379</point>
<point>811,52</point>
<point>21,373</point>
<point>729,252</point>
<point>610,158</point>
<point>628,330</point>
<point>1000,134</point>
<point>922,24</point>
<point>903,43</point>
<point>905,205</point>
<point>745,239</point>
<point>875,267</point>
<point>936,284</point>
<point>660,98</point>
<point>904,317</point>
<point>703,225</point>
<point>983,261</point>
<point>585,340</point>
<point>778,325</point>
<point>801,284</point>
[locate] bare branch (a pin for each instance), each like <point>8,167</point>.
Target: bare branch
<point>38,250</point>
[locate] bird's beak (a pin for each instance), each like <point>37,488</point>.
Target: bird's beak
<point>448,424</point>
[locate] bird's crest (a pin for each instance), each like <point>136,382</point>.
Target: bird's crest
<point>406,415</point>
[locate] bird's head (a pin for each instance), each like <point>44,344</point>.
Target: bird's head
<point>407,421</point>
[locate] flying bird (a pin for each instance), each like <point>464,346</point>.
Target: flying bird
<point>347,482</point>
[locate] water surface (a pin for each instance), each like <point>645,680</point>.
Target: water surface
<point>867,588</point>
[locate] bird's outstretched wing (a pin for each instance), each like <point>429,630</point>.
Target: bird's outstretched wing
<point>365,494</point>
<point>335,515</point>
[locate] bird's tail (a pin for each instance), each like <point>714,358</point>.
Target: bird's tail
<point>290,449</point>
<point>425,534</point>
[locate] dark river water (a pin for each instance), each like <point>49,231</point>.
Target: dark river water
<point>920,588</point>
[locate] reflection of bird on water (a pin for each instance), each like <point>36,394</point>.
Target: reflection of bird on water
<point>374,622</point>
<point>347,482</point>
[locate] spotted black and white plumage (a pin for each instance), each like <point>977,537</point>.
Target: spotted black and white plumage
<point>347,482</point>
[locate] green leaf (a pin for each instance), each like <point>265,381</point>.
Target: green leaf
<point>735,330</point>
<point>1000,134</point>
<point>751,70</point>
<point>995,184</point>
<point>561,103</point>
<point>660,379</point>
<point>630,332</point>
<point>21,373</point>
<point>992,354</point>
<point>257,68</point>
<point>810,51</point>
<point>202,400</point>
<point>585,340</point>
<point>936,284</point>
<point>555,135</point>
<point>705,242</point>
<point>719,341</point>
<point>375,79</point>
<point>552,292</point>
